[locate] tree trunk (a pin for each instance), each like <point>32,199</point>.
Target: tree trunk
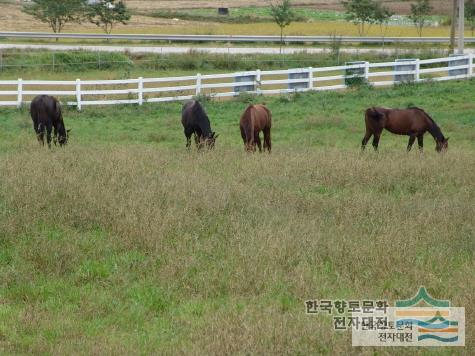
<point>281,39</point>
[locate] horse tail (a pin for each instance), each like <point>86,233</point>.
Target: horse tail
<point>253,122</point>
<point>269,116</point>
<point>373,114</point>
<point>247,126</point>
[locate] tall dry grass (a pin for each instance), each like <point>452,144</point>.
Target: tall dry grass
<point>145,250</point>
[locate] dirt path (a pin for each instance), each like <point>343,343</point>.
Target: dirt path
<point>221,50</point>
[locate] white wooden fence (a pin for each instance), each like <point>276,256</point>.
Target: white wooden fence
<point>80,93</point>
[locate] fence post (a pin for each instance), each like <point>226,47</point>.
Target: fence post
<point>78,94</point>
<point>418,70</point>
<point>470,64</point>
<point>366,71</point>
<point>258,81</point>
<point>198,84</point>
<point>310,78</point>
<point>140,90</point>
<point>20,92</point>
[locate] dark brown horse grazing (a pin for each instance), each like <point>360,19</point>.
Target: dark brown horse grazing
<point>46,114</point>
<point>413,122</point>
<point>195,122</point>
<point>256,118</point>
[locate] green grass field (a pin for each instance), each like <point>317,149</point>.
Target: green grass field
<point>126,243</point>
<point>88,64</point>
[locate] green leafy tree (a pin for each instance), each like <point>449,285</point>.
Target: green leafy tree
<point>106,13</point>
<point>56,13</point>
<point>283,15</point>
<point>470,13</point>
<point>419,12</point>
<point>381,16</point>
<point>361,13</point>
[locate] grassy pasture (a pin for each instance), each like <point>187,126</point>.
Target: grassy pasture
<point>125,243</point>
<point>53,65</point>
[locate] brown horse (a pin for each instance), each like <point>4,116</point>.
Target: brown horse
<point>413,122</point>
<point>256,118</point>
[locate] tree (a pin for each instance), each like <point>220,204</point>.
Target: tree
<point>56,13</point>
<point>381,16</point>
<point>419,12</point>
<point>283,15</point>
<point>106,13</point>
<point>470,13</point>
<point>361,13</point>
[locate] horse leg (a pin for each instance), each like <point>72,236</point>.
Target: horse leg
<point>198,134</point>
<point>49,128</point>
<point>243,135</point>
<point>250,145</point>
<point>253,144</point>
<point>267,142</point>
<point>188,134</point>
<point>376,137</point>
<point>36,128</point>
<point>366,138</point>
<point>55,135</point>
<point>258,141</point>
<point>420,142</point>
<point>412,138</point>
<point>244,139</point>
<point>249,142</point>
<point>40,134</point>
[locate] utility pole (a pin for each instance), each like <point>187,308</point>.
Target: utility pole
<point>461,26</point>
<point>452,27</point>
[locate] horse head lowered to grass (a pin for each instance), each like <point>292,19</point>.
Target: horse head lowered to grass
<point>195,122</point>
<point>46,114</point>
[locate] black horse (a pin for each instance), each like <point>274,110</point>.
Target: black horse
<point>46,114</point>
<point>195,121</point>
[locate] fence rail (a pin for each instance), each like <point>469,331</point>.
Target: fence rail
<point>81,93</point>
<point>231,38</point>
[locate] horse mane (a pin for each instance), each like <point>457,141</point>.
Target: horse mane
<point>59,112</point>
<point>434,130</point>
